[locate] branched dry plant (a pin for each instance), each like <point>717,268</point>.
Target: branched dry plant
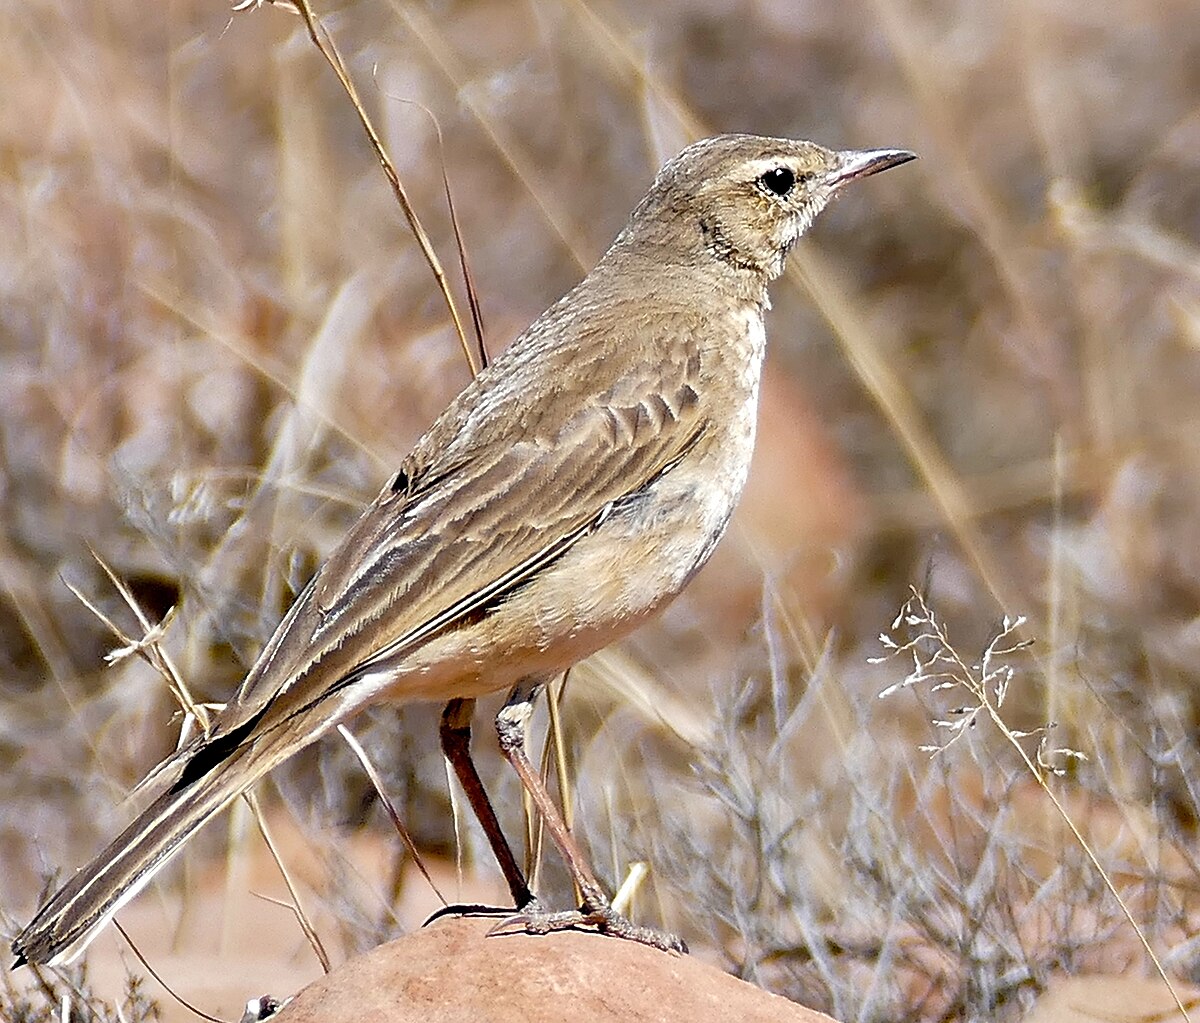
<point>883,888</point>
<point>938,667</point>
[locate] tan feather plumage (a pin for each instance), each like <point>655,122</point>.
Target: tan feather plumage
<point>567,493</point>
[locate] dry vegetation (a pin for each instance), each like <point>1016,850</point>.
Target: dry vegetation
<point>216,337</point>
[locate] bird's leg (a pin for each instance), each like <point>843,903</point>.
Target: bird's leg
<point>596,911</point>
<point>455,734</point>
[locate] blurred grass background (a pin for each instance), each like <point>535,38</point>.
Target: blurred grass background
<point>217,338</point>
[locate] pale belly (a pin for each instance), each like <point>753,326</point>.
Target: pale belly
<point>614,578</point>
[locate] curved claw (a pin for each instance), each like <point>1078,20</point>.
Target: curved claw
<point>478,909</point>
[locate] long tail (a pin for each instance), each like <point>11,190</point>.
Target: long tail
<point>66,924</point>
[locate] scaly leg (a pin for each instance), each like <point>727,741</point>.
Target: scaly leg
<point>596,911</point>
<point>455,734</point>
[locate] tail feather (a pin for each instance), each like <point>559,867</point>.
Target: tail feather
<point>66,924</point>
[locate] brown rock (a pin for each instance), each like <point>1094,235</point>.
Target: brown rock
<point>453,972</point>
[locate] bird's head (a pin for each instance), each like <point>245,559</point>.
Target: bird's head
<point>745,200</point>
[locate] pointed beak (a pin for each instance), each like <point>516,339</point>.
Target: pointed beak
<point>855,164</point>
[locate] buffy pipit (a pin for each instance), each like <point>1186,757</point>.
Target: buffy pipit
<point>568,493</point>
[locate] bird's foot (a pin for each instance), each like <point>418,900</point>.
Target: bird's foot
<point>533,919</point>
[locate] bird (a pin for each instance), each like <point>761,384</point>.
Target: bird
<point>565,496</point>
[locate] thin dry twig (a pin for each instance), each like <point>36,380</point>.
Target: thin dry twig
<point>166,987</point>
<point>555,749</point>
<point>148,646</point>
<point>325,45</point>
<point>389,806</point>
<point>297,906</point>
<point>459,244</point>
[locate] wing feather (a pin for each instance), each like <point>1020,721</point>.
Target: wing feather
<point>490,495</point>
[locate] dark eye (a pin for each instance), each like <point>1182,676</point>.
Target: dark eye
<point>778,180</point>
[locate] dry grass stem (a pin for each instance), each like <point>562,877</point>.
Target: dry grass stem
<point>393,814</point>
<point>297,906</point>
<point>324,44</point>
